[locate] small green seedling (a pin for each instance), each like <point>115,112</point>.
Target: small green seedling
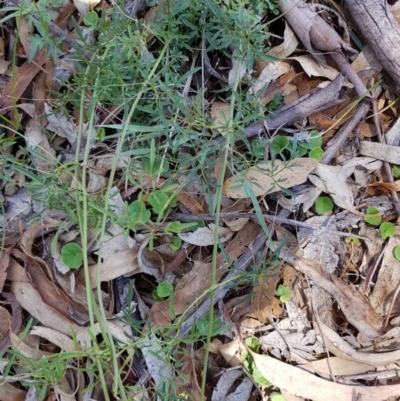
<point>176,243</point>
<point>374,221</point>
<point>316,153</point>
<point>249,363</point>
<point>276,396</point>
<point>352,240</point>
<point>258,148</point>
<point>284,293</point>
<point>279,144</point>
<point>72,255</point>
<point>387,230</point>
<point>203,324</point>
<point>91,19</point>
<point>163,290</point>
<point>323,205</point>
<point>396,171</point>
<point>396,252</point>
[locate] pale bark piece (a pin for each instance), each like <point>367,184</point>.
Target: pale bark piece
<point>320,38</point>
<point>388,279</point>
<point>225,384</point>
<point>269,177</point>
<point>380,151</point>
<point>304,384</point>
<point>381,31</point>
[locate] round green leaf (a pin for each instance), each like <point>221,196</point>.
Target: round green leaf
<point>258,149</point>
<point>323,204</point>
<point>374,221</point>
<point>72,255</point>
<point>138,212</point>
<point>164,289</point>
<point>316,153</point>
<point>176,243</point>
<point>279,143</point>
<point>396,252</point>
<point>387,230</point>
<point>315,141</point>
<point>91,19</point>
<point>158,200</point>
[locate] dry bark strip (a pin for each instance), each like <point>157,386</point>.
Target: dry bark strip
<point>381,31</point>
<point>319,38</point>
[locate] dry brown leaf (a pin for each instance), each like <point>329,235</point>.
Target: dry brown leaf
<point>4,263</point>
<point>204,236</point>
<point>354,305</point>
<point>339,367</point>
<point>23,77</point>
<point>269,177</point>
<point>84,6</point>
<point>119,264</point>
<point>333,181</point>
<point>388,279</point>
<point>390,186</point>
<point>30,300</point>
<point>298,381</point>
<point>11,393</point>
<point>194,285</point>
<point>62,341</point>
<point>190,203</point>
<point>220,112</point>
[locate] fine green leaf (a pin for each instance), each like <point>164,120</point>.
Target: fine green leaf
<point>374,221</point>
<point>176,227</point>
<point>387,230</point>
<point>323,204</point>
<point>283,292</point>
<point>72,255</point>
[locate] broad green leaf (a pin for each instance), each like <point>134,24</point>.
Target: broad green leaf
<point>72,255</point>
<point>396,171</point>
<point>323,204</point>
<point>279,144</point>
<point>176,243</point>
<point>396,252</point>
<point>159,201</point>
<point>91,19</point>
<point>164,289</point>
<point>314,142</point>
<point>284,293</point>
<point>387,230</point>
<point>316,153</point>
<point>374,221</point>
<point>138,212</point>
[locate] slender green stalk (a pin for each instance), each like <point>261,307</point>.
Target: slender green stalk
<point>217,205</point>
